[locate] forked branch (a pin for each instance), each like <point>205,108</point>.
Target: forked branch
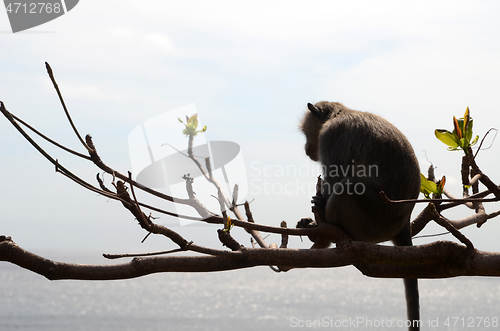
<point>374,260</point>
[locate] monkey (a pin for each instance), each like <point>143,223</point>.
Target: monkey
<point>362,154</point>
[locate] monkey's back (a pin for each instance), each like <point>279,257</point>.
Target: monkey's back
<point>366,149</point>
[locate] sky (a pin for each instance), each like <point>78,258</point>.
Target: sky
<point>248,68</point>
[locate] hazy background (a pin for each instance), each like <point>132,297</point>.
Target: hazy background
<point>250,67</point>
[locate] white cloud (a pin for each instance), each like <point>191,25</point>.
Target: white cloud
<point>161,41</point>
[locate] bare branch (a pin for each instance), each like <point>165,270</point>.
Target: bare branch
<point>472,219</point>
<point>377,261</point>
<point>227,240</point>
<point>472,198</point>
<point>443,221</point>
<point>194,202</point>
<point>61,169</point>
<point>55,143</point>
<point>119,256</point>
<point>248,212</point>
<point>101,165</point>
<point>439,259</point>
<point>421,221</point>
<point>144,221</point>
<point>284,237</point>
<point>51,75</point>
<point>482,140</point>
<point>454,198</point>
<point>208,176</point>
<point>484,178</point>
<point>475,179</point>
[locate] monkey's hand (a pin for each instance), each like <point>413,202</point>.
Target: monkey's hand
<point>319,201</point>
<point>307,223</point>
<point>318,207</point>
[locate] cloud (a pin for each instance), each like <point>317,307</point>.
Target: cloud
<point>161,41</point>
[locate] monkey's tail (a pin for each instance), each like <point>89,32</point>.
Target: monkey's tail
<point>412,303</point>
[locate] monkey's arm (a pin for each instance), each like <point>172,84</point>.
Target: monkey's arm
<point>318,209</point>
<point>319,241</point>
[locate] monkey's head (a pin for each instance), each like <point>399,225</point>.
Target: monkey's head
<point>313,121</point>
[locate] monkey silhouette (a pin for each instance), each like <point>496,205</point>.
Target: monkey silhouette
<point>362,154</point>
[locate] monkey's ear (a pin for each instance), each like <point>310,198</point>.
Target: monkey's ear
<point>313,109</point>
<point>320,114</point>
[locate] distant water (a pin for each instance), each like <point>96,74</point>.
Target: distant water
<point>253,299</point>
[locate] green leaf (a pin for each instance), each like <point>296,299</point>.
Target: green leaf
<point>193,121</point>
<point>191,125</point>
<point>468,130</point>
<point>447,137</point>
<point>464,143</point>
<point>467,126</point>
<point>474,141</point>
<point>426,186</point>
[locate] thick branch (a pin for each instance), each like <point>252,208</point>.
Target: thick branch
<point>436,260</point>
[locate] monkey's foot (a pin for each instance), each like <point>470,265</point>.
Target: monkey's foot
<point>307,223</point>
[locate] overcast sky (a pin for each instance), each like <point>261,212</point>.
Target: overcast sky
<point>248,68</point>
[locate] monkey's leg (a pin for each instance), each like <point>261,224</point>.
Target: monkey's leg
<point>366,218</point>
<point>411,285</point>
<point>355,206</point>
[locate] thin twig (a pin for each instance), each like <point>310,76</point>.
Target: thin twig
<point>482,140</point>
<point>104,167</point>
<point>51,75</point>
<point>484,178</point>
<point>444,222</point>
<point>69,150</point>
<point>226,201</point>
<point>284,237</point>
<point>387,200</point>
<point>452,197</point>
<point>87,185</point>
<point>119,256</point>
<point>143,217</point>
<point>62,169</point>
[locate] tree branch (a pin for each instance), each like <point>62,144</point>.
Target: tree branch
<point>51,75</point>
<point>436,260</point>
